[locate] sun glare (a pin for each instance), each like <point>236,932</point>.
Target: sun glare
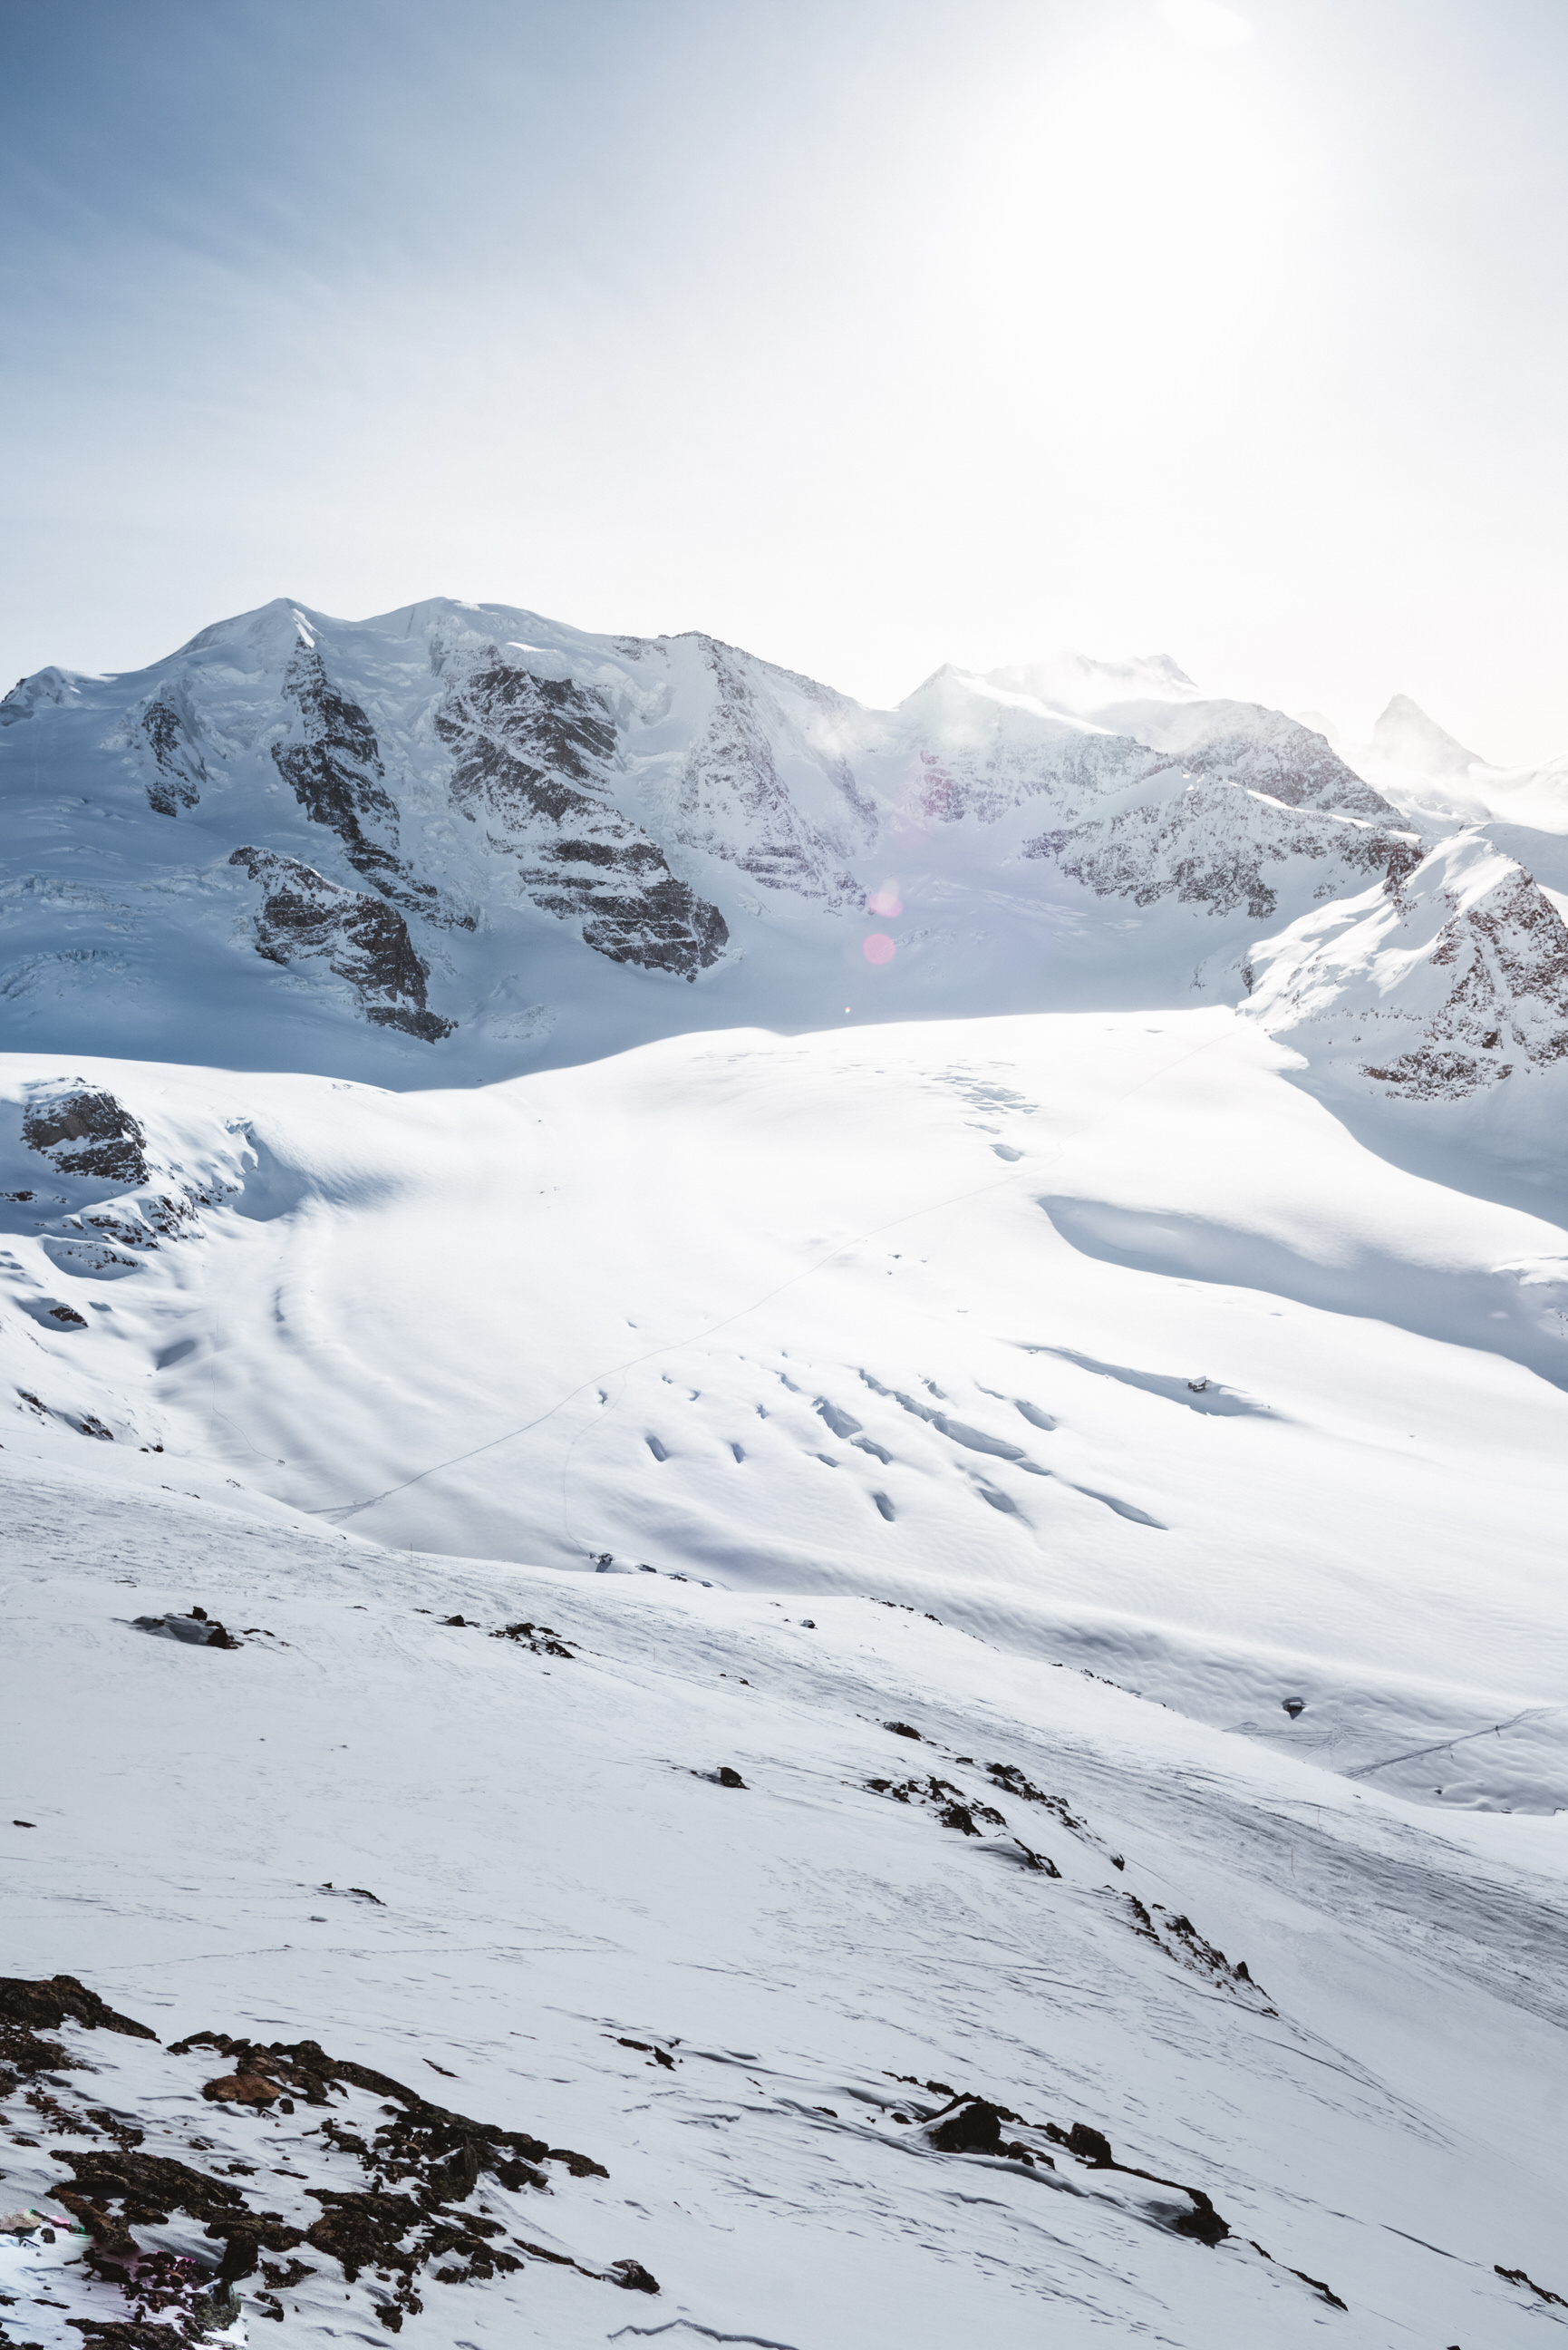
<point>1205,24</point>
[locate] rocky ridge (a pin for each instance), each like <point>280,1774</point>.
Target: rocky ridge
<point>470,828</point>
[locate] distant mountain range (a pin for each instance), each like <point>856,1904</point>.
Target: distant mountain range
<point>459,841</point>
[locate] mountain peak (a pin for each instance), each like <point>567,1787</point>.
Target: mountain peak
<point>1406,735</point>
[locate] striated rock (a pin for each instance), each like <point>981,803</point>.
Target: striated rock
<point>531,758</point>
<point>305,918</point>
<point>1435,985</point>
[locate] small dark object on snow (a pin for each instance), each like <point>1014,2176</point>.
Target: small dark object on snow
<point>68,1317</point>
<point>459,1621</point>
<point>24,1824</point>
<point>902,1729</point>
<point>1037,1860</point>
<point>633,2276</point>
<point>197,1630</point>
<point>1293,1705</point>
<point>441,2069</point>
<point>1091,2145</point>
<point>728,1778</point>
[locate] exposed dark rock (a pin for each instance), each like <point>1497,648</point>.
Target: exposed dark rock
<point>531,755</point>
<point>45,2005</point>
<point>197,1630</point>
<point>336,773</point>
<point>949,1803</point>
<point>543,1641</point>
<point>728,1777</point>
<point>168,731</point>
<point>633,2276</point>
<point>305,918</point>
<point>1513,2276</point>
<point>87,1133</point>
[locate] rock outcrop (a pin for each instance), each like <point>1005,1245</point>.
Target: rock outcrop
<point>530,760</point>
<point>1443,982</point>
<point>304,917</point>
<point>81,1131</point>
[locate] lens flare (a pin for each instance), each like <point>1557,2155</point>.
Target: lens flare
<point>886,901</point>
<point>878,947</point>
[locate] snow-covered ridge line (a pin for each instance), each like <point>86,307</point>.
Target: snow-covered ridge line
<point>459,840</point>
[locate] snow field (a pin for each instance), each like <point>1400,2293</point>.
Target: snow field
<point>557,1876</point>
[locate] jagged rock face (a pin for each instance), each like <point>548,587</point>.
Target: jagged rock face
<point>1206,844</point>
<point>305,918</point>
<point>83,1132</point>
<point>335,772</point>
<point>531,758</point>
<point>168,732</point>
<point>1440,984</point>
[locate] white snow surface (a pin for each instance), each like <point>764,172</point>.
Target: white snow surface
<point>1095,1334</point>
<point>506,1879</point>
<point>461,1161</point>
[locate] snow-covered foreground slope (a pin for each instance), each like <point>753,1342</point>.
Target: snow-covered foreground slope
<point>1264,2055</point>
<point>1095,1335</point>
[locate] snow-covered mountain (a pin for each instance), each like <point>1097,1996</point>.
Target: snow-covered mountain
<point>459,841</point>
<point>782,1500</point>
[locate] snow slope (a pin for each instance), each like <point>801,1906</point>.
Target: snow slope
<point>1096,1334</point>
<point>501,1874</point>
<point>781,1496</point>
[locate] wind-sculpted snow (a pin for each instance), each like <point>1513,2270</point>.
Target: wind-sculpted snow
<point>592,841</point>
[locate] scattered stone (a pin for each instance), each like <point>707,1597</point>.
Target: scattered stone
<point>539,1638</point>
<point>633,2276</point>
<point>942,1796</point>
<point>729,1778</point>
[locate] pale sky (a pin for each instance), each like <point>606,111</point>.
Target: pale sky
<point>868,334</point>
